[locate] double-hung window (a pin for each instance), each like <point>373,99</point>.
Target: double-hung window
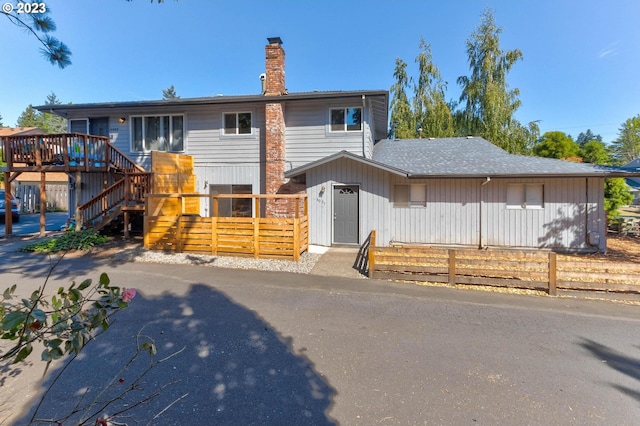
<point>525,196</point>
<point>410,195</point>
<point>157,133</point>
<point>237,123</point>
<point>346,119</point>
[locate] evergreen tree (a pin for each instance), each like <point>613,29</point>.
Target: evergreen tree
<point>587,136</point>
<point>40,25</point>
<point>489,103</point>
<point>402,120</point>
<point>627,147</point>
<point>29,118</point>
<point>169,93</point>
<point>51,123</point>
<point>1,125</point>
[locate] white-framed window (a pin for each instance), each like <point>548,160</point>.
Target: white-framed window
<point>410,195</point>
<point>346,119</point>
<point>157,133</point>
<point>236,123</point>
<point>525,196</point>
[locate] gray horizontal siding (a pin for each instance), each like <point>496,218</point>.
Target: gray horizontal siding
<point>308,138</point>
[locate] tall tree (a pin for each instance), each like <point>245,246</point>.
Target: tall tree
<point>402,121</point>
<point>489,103</point>
<point>595,152</point>
<point>587,136</point>
<point>556,145</point>
<point>627,147</point>
<point>1,125</point>
<point>53,123</point>
<point>35,19</point>
<point>29,118</point>
<point>169,93</point>
<point>432,113</point>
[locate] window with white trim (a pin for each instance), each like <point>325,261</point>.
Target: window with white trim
<point>346,119</point>
<point>410,195</point>
<point>157,133</point>
<point>525,196</point>
<point>236,123</point>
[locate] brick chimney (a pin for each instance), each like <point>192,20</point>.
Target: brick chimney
<point>275,148</point>
<point>275,84</point>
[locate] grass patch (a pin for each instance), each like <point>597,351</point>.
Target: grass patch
<point>70,240</point>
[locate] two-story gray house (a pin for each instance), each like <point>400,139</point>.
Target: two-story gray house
<point>458,191</point>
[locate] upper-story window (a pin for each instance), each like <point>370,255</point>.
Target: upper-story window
<point>237,123</point>
<point>157,133</point>
<point>346,119</point>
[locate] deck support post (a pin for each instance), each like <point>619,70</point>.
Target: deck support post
<point>78,200</point>
<point>43,203</point>
<point>8,220</point>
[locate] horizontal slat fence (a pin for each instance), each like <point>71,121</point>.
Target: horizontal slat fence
<point>170,230</point>
<point>535,270</point>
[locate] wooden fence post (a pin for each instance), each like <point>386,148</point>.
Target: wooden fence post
<point>452,266</point>
<point>552,274</point>
<point>372,259</point>
<point>256,229</point>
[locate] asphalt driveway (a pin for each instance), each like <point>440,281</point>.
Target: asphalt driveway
<point>278,348</point>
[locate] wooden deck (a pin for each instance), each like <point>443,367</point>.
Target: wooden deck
<point>173,223</point>
<point>68,152</point>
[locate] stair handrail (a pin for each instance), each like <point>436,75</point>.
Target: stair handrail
<point>133,187</point>
<point>120,160</point>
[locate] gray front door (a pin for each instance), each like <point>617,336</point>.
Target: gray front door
<point>345,214</point>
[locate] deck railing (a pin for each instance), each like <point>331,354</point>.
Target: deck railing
<point>132,189</point>
<point>73,151</point>
<point>173,223</point>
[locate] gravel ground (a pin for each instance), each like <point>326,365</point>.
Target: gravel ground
<point>139,254</point>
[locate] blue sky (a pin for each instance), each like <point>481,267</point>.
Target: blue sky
<point>580,67</point>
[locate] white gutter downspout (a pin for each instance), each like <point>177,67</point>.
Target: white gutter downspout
<point>482,192</point>
<point>364,154</point>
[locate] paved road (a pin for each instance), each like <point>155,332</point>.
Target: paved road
<point>276,348</point>
<point>30,223</point>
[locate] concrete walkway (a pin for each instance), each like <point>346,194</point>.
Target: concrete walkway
<point>338,262</point>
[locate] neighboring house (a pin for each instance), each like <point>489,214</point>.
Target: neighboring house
<point>449,191</point>
<point>633,183</point>
<point>20,131</point>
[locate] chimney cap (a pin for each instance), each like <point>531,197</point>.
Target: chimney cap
<point>274,40</point>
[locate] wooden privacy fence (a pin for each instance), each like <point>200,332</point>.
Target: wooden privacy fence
<point>534,270</point>
<point>29,195</point>
<point>172,222</point>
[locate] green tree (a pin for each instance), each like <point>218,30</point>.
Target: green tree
<point>595,152</point>
<point>402,121</point>
<point>53,123</point>
<point>627,147</point>
<point>29,118</point>
<point>40,25</point>
<point>616,195</point>
<point>556,145</point>
<point>431,110</point>
<point>1,125</point>
<point>587,136</point>
<point>169,93</point>
<point>489,103</point>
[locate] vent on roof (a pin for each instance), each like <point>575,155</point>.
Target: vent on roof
<point>469,137</point>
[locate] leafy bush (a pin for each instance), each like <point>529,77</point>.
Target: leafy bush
<point>70,240</point>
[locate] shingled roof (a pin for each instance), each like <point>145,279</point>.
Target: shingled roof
<point>464,158</point>
<point>475,157</point>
